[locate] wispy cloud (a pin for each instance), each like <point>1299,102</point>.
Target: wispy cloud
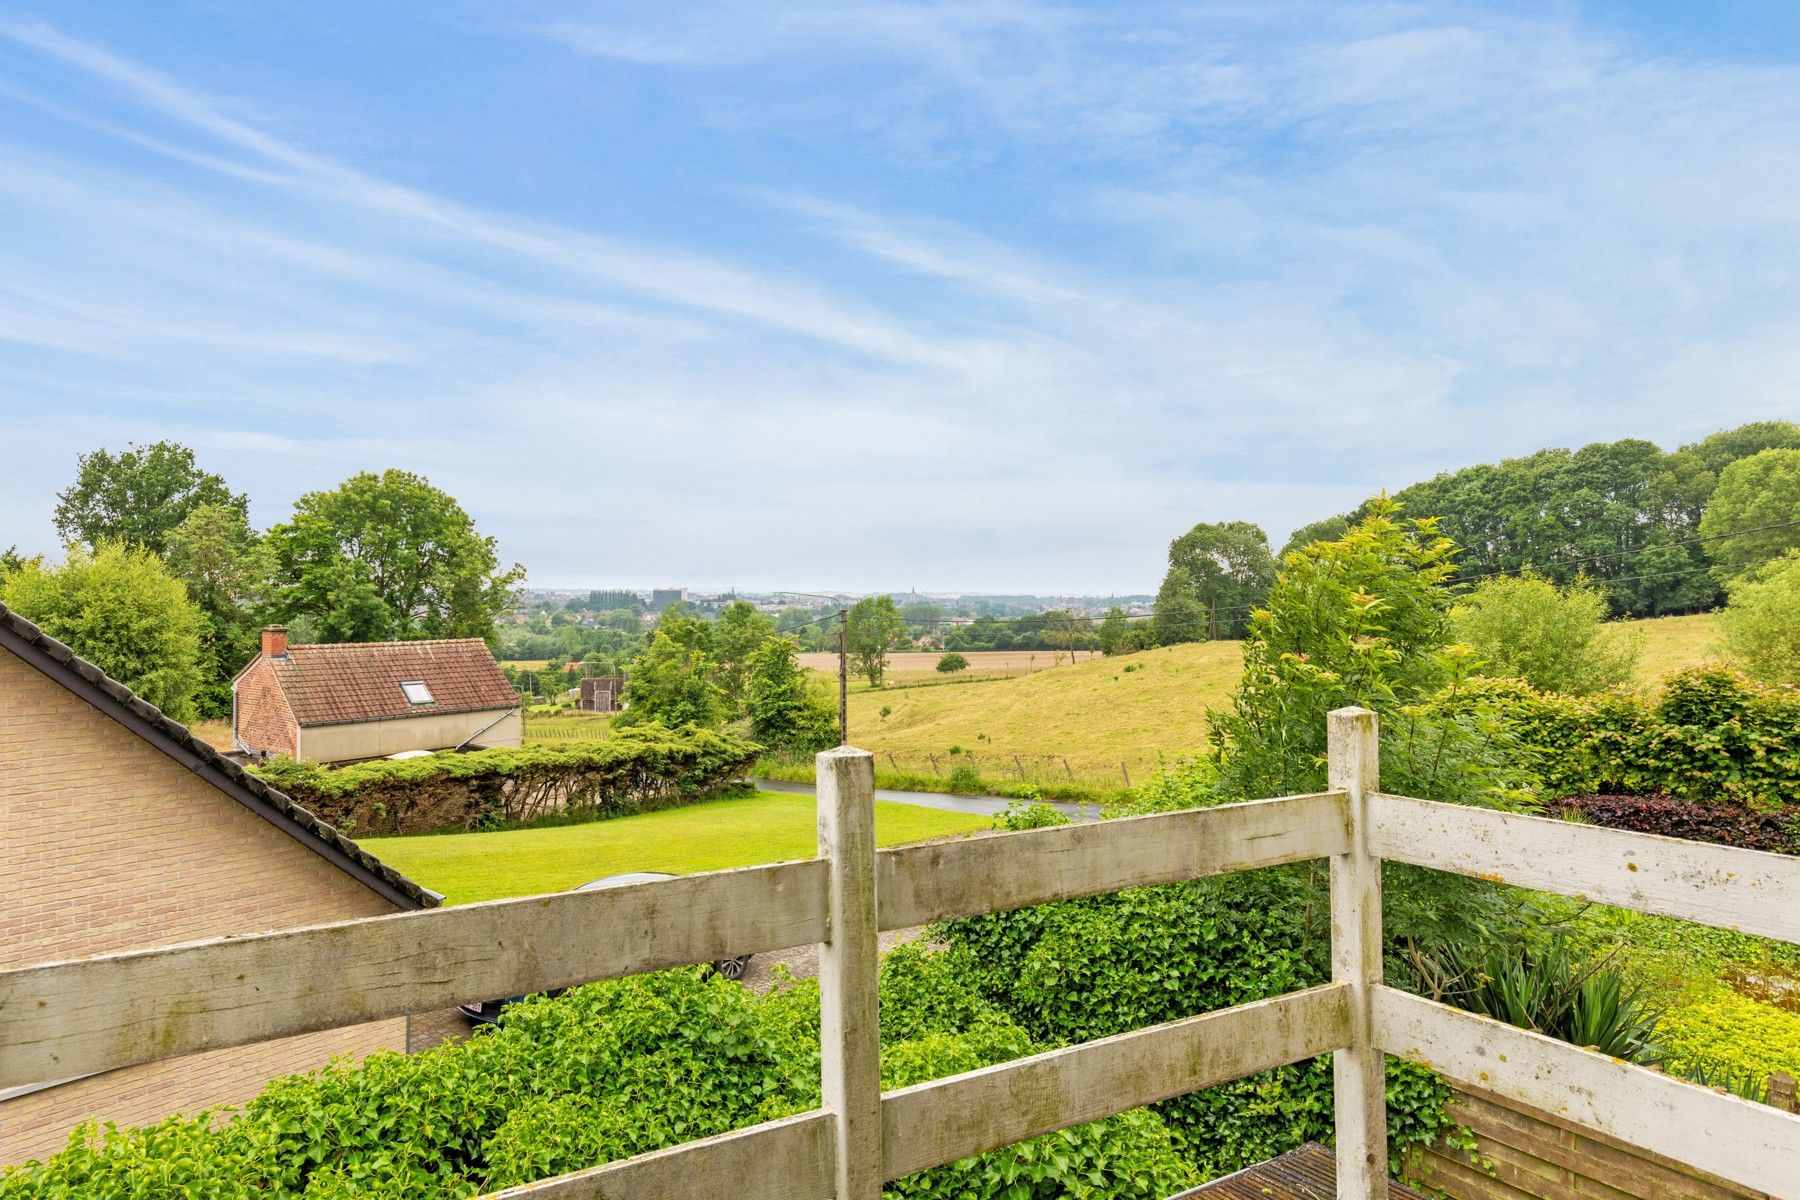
<point>1007,293</point>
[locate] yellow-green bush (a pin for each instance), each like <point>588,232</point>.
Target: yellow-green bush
<point>1719,1028</point>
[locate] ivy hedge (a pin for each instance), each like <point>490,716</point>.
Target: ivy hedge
<point>639,770</point>
<point>603,1072</point>
<point>1712,735</point>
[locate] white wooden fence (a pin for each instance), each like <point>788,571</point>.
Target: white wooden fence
<point>73,1018</point>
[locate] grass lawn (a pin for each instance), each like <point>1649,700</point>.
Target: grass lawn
<point>1670,644</point>
<point>767,827</point>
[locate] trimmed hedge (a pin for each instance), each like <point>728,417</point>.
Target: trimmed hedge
<point>1713,735</point>
<point>1720,824</point>
<point>640,770</point>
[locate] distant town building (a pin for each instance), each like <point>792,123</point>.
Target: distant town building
<point>661,598</point>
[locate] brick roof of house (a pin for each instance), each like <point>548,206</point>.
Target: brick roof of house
<point>337,683</point>
<point>114,699</point>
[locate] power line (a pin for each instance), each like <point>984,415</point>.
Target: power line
<point>1693,541</point>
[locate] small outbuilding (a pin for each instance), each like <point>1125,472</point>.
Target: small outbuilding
<point>603,694</point>
<point>350,701</point>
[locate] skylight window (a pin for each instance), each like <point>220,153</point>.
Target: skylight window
<point>416,692</point>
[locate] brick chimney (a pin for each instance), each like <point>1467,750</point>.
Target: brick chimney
<point>274,641</point>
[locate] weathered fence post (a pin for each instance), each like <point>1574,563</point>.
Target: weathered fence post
<point>849,1034</point>
<point>1782,1092</point>
<point>1358,1072</point>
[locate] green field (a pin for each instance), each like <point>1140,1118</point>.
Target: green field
<point>766,827</point>
<point>1133,710</point>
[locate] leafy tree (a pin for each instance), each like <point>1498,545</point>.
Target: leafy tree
<point>1525,627</point>
<point>951,663</point>
<point>1226,570</point>
<point>1328,529</point>
<point>118,607</point>
<point>785,713</point>
<point>138,496</point>
<point>1754,494</point>
<point>389,556</point>
<point>1719,450</point>
<point>738,634</point>
<point>1762,621</point>
<point>670,682</point>
<point>876,629</point>
<point>228,572</point>
<point>1116,633</point>
<point>1179,616</point>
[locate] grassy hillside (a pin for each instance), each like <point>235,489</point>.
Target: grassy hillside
<point>1133,709</point>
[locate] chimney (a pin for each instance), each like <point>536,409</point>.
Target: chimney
<point>274,641</point>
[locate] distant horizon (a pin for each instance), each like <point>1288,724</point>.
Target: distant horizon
<point>999,296</point>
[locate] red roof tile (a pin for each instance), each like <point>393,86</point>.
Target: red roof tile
<point>331,684</point>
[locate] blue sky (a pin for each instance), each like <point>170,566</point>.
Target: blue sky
<point>991,295</point>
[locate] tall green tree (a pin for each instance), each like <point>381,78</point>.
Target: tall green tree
<point>120,608</point>
<point>1719,450</point>
<point>785,713</point>
<point>1117,636</point>
<point>739,633</point>
<point>228,573</point>
<point>1762,621</point>
<point>138,496</point>
<point>389,556</point>
<point>1754,516</point>
<point>876,630</point>
<point>1178,616</point>
<point>1226,569</point>
<point>671,683</point>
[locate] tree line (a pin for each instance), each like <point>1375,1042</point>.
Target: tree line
<point>1653,531</point>
<point>165,583</point>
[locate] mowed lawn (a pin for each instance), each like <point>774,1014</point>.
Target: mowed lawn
<point>767,827</point>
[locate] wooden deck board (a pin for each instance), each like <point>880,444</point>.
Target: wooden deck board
<point>1309,1173</point>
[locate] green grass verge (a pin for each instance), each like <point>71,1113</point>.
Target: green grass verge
<point>1074,791</point>
<point>765,827</point>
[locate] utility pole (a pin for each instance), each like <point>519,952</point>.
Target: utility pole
<point>843,677</point>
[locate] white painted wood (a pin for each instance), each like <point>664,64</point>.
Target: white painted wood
<point>100,1013</point>
<point>1358,1069</point>
<point>1749,1144</point>
<point>991,874</point>
<point>849,967</point>
<point>788,1159</point>
<point>947,1119</point>
<point>1747,890</point>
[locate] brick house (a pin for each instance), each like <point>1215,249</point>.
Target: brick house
<point>124,831</point>
<point>344,702</point>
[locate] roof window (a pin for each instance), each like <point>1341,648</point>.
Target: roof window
<point>416,692</point>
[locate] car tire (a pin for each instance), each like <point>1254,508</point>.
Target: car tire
<point>732,968</point>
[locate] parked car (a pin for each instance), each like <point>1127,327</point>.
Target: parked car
<point>489,1011</point>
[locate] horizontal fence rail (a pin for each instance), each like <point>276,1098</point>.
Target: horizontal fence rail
<point>1747,1143</point>
<point>96,1014</point>
<point>939,1122</point>
<point>916,884</point>
<point>65,1019</point>
<point>1751,891</point>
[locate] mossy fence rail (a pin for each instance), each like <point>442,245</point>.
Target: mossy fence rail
<point>71,1018</point>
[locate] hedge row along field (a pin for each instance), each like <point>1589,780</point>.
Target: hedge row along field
<point>645,769</point>
<point>1713,735</point>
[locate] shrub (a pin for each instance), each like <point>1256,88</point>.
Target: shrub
<point>952,662</point>
<point>119,608</point>
<point>1720,1032</point>
<point>639,770</point>
<point>1714,735</point>
<point>1762,621</point>
<point>1550,989</point>
<point>966,780</point>
<point>1526,627</point>
<point>1720,824</point>
<point>785,711</point>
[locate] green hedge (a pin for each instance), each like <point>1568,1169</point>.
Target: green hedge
<point>603,1072</point>
<point>647,768</point>
<point>1712,735</point>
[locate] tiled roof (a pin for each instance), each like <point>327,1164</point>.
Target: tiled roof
<point>330,684</point>
<point>117,701</point>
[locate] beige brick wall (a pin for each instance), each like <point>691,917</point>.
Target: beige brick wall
<point>110,845</point>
